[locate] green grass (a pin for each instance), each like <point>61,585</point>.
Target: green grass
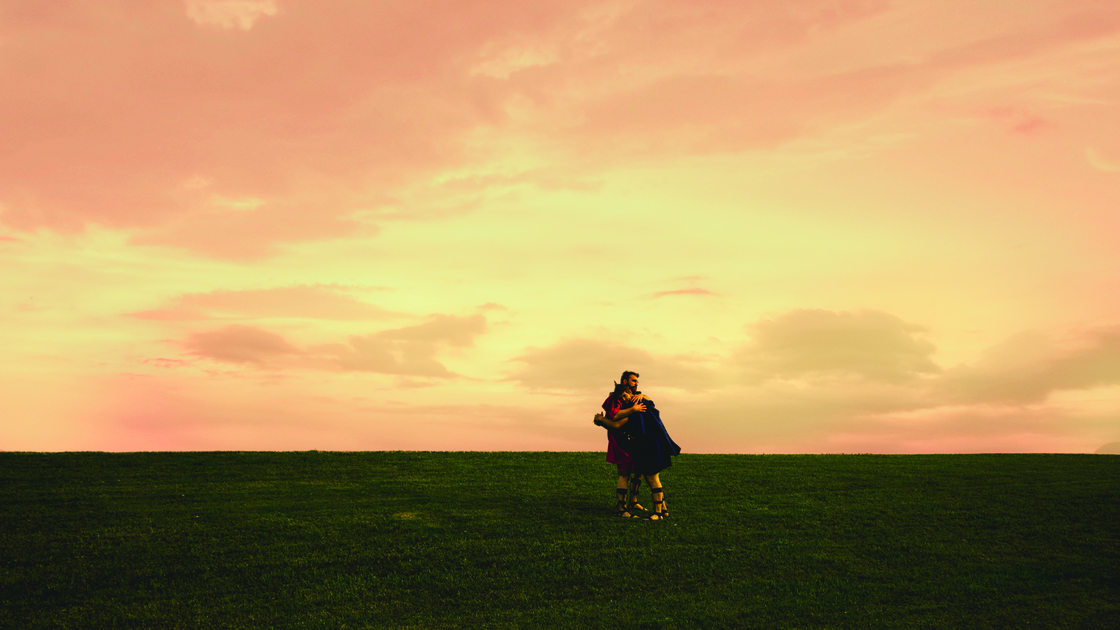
<point>528,540</point>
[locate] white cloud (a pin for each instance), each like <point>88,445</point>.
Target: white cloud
<point>1100,161</point>
<point>809,343</point>
<point>411,351</point>
<point>1028,367</point>
<point>302,301</point>
<point>502,64</point>
<point>240,344</point>
<point>590,365</point>
<point>230,13</point>
<point>407,351</point>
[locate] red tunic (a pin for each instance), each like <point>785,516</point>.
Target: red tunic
<point>615,454</point>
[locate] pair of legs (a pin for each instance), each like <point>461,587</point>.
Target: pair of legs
<point>629,483</point>
<point>660,508</point>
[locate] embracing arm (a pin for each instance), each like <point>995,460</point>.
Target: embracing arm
<point>620,418</point>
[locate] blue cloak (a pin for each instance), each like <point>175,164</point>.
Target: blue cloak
<point>647,441</point>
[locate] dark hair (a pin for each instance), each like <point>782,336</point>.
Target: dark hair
<point>620,387</point>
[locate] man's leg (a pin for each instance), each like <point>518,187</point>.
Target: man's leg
<point>635,485</point>
<point>660,508</point>
<point>621,488</point>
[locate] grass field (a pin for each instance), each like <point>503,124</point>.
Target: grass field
<point>528,540</point>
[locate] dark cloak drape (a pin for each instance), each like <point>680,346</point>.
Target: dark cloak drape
<point>647,441</point>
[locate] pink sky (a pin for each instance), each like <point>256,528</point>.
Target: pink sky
<point>811,225</point>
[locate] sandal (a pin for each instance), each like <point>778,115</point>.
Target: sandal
<point>635,485</point>
<point>660,512</point>
<point>621,507</point>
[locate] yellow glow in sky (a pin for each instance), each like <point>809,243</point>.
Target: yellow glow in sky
<point>810,227</point>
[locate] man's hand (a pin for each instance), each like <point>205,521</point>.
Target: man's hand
<point>639,407</point>
<point>599,417</point>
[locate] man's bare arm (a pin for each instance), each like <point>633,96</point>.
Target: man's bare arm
<point>620,418</point>
<point>612,424</point>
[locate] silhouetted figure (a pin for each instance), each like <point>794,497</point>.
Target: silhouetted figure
<point>634,426</point>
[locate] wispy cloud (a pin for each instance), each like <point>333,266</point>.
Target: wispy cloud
<point>681,292</point>
<point>411,351</point>
<point>230,13</point>
<point>306,302</point>
<point>587,364</point>
<point>1028,367</point>
<point>166,128</point>
<point>407,351</point>
<point>807,343</point>
<point>1100,161</point>
<point>240,344</point>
